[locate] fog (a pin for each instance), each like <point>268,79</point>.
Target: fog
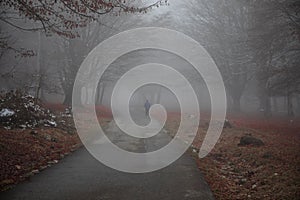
<point>255,46</point>
<point>149,99</point>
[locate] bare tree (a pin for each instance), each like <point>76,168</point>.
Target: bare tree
<point>275,41</point>
<point>62,17</point>
<point>222,27</point>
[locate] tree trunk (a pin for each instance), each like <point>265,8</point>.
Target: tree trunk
<point>236,89</point>
<point>38,87</point>
<point>267,110</point>
<point>42,95</point>
<point>275,104</point>
<point>290,110</point>
<point>266,105</point>
<point>38,75</point>
<point>97,94</point>
<point>101,94</point>
<point>68,91</point>
<point>37,93</point>
<point>68,97</point>
<point>159,95</point>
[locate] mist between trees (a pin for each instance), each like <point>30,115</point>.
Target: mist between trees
<point>255,45</point>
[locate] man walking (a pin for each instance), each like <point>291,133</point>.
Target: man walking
<point>147,106</point>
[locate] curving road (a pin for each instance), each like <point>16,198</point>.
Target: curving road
<point>80,176</point>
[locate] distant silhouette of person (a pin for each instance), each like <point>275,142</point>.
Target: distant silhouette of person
<point>147,106</point>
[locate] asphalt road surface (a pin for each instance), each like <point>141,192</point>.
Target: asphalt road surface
<point>80,176</point>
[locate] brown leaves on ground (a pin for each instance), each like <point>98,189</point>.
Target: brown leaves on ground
<point>271,171</point>
<point>25,152</point>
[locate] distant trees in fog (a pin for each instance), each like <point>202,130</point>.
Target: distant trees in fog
<point>80,25</point>
<point>60,17</point>
<point>251,40</point>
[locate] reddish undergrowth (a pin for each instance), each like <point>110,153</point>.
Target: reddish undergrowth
<point>25,152</point>
<point>268,172</point>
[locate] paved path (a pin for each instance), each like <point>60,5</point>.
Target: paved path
<point>80,176</point>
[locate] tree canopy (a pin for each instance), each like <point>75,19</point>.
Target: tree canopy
<point>62,17</point>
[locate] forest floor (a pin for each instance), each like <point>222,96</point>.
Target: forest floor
<point>271,171</point>
<point>25,152</point>
<point>35,137</point>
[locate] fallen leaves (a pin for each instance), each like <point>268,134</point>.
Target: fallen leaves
<point>271,171</point>
<point>24,154</point>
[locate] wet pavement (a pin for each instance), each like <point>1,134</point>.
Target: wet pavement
<point>81,176</point>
